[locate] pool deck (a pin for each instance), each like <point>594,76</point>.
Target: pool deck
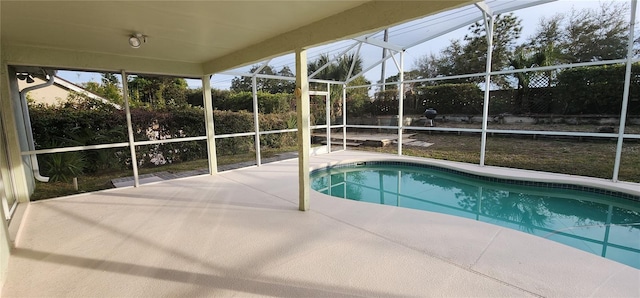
<point>239,233</point>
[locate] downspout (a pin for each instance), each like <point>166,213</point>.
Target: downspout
<point>27,124</point>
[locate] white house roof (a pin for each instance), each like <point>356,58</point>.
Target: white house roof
<point>59,91</point>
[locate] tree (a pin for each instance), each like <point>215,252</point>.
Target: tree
<point>595,35</point>
<point>527,58</point>
<point>426,67</point>
<point>584,35</point>
<point>337,70</point>
<point>110,79</point>
<point>581,36</point>
<point>357,98</point>
<point>548,39</point>
<point>158,91</point>
<point>284,86</point>
<point>109,89</point>
<point>408,75</point>
<point>469,55</point>
<point>244,83</point>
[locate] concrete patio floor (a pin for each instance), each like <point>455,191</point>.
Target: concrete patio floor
<point>239,233</point>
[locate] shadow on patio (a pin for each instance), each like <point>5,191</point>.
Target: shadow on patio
<point>238,233</point>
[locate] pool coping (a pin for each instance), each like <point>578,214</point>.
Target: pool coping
<point>621,189</point>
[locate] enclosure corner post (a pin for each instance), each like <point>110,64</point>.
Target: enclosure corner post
<point>209,125</point>
<point>304,137</point>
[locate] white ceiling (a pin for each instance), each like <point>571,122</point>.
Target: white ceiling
<point>191,38</point>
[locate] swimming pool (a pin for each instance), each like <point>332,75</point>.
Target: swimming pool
<point>598,221</point>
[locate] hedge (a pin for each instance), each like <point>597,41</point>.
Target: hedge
<point>71,125</point>
<point>446,99</point>
<point>267,103</point>
<point>575,91</point>
<point>596,90</point>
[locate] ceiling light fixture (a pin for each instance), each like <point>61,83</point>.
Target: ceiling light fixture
<point>137,39</point>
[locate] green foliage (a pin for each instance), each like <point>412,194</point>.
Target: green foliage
<point>278,122</point>
<point>63,166</point>
<point>583,35</point>
<point>446,99</point>
<point>528,58</point>
<point>357,98</point>
<point>155,91</point>
<point>596,90</point>
<point>470,54</point>
<point>195,97</point>
<point>167,123</point>
<point>596,34</point>
<point>79,125</point>
<point>336,70</point>
<point>245,84</point>
<point>228,122</point>
<point>267,103</point>
<point>451,99</point>
<point>386,103</point>
<point>63,124</point>
<point>108,89</point>
<point>579,36</point>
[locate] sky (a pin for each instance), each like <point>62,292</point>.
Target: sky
<point>530,19</point>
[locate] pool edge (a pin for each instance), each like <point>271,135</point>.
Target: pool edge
<point>629,188</point>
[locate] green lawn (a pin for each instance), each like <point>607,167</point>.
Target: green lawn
<point>584,158</point>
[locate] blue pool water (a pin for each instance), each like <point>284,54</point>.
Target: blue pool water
<point>603,223</point>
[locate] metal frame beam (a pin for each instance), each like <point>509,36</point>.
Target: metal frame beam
<point>379,43</point>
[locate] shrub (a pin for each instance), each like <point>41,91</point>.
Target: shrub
<point>596,90</point>
<point>451,98</point>
<point>267,103</point>
<point>62,166</point>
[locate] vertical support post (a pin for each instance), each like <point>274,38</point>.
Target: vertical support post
<point>401,104</point>
<point>132,145</point>
<point>256,124</point>
<point>209,125</point>
<point>328,116</point>
<point>304,131</point>
<point>344,117</point>
<point>488,21</point>
<point>625,95</point>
